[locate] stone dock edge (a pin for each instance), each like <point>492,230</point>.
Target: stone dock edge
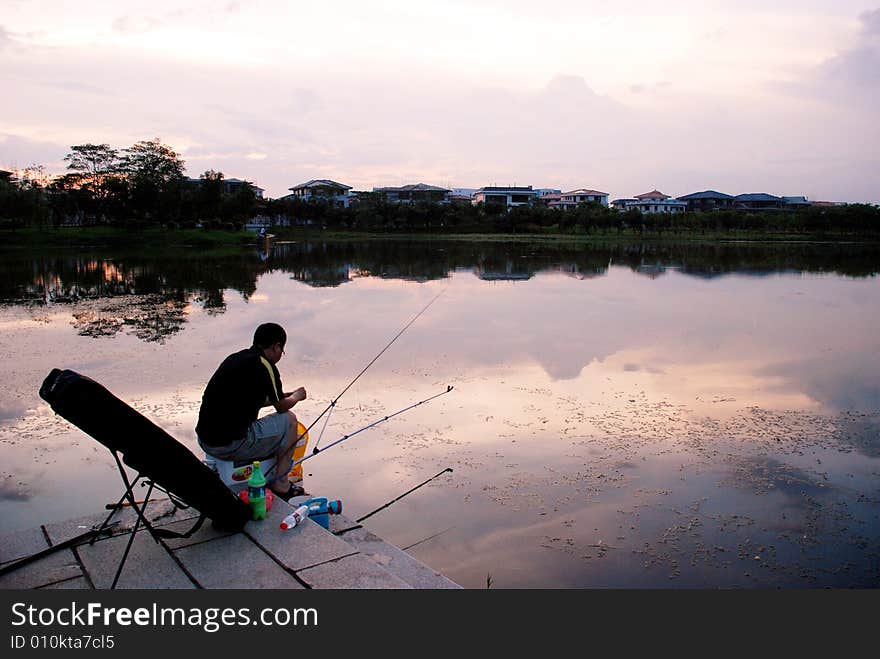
<point>345,556</point>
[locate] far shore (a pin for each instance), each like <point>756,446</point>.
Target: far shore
<point>106,236</point>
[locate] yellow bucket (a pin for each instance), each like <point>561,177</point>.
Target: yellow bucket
<point>299,451</point>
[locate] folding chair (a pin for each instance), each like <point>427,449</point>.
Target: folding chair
<point>160,461</point>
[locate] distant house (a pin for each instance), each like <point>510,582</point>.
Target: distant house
<point>509,272</point>
<point>708,200</point>
<point>409,194</point>
<point>322,190</point>
<point>758,201</point>
<point>543,192</point>
<point>795,203</point>
<point>827,204</point>
<point>464,192</point>
<point>550,200</point>
<point>460,198</point>
<point>230,185</point>
<point>653,195</point>
<point>575,198</point>
<point>511,196</point>
<point>650,202</point>
<point>5,176</point>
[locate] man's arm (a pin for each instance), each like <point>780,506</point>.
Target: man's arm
<point>290,399</point>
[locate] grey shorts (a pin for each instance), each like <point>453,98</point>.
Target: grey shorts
<point>265,437</point>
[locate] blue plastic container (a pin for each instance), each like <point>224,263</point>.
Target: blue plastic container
<point>320,509</point>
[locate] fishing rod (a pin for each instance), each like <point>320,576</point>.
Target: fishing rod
<point>373,361</point>
<point>361,519</point>
<point>316,450</point>
<point>383,507</point>
<point>80,539</point>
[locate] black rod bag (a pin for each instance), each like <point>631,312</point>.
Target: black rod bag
<point>144,446</point>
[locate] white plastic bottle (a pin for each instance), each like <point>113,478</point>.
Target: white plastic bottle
<point>294,518</point>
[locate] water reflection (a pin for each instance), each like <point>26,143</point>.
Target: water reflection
<point>203,277</point>
<point>622,416</point>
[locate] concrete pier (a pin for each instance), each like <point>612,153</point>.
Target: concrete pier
<point>261,556</point>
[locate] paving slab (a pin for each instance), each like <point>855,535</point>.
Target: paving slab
<point>206,533</point>
<point>50,569</point>
<point>339,523</point>
<point>263,556</point>
<point>149,565</point>
<point>160,513</point>
<point>396,561</point>
<point>234,562</point>
<point>351,572</point>
<point>65,530</point>
<point>78,583</point>
<point>304,546</point>
<point>19,544</point>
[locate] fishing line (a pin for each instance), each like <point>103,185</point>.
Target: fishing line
<point>430,537</point>
<point>315,451</point>
<point>326,421</point>
<point>373,361</point>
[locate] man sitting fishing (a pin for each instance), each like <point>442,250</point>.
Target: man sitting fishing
<point>245,382</point>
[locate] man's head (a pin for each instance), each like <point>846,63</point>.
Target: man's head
<point>271,338</point>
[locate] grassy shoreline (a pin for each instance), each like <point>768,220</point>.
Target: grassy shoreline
<point>155,237</point>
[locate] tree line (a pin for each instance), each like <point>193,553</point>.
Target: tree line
<point>373,213</point>
<point>144,185</point>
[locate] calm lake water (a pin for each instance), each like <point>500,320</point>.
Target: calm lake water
<point>623,416</point>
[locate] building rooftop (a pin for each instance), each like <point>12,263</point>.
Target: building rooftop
<point>526,189</point>
<point>417,187</point>
<point>653,194</point>
<point>583,191</point>
<point>320,183</point>
<point>706,194</point>
<point>756,196</point>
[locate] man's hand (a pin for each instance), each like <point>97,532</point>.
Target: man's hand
<point>290,399</point>
<point>298,394</point>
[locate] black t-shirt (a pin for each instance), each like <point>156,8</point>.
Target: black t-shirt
<point>235,393</point>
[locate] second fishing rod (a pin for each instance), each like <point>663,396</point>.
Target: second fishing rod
<point>385,418</point>
<point>333,402</point>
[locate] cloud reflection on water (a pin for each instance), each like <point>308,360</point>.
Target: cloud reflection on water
<point>621,403</point>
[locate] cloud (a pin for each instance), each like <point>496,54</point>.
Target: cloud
<point>871,22</point>
<point>853,74</point>
<point>205,14</point>
<point>5,39</point>
<point>131,24</point>
<point>368,126</point>
<point>17,152</point>
<point>10,491</point>
<point>859,65</point>
<point>78,87</point>
<point>839,381</point>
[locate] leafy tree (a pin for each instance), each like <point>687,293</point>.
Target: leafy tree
<point>22,203</point>
<point>210,197</point>
<point>154,171</point>
<point>93,162</point>
<point>151,162</point>
<point>239,205</point>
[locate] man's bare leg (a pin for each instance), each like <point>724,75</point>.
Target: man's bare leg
<point>280,484</point>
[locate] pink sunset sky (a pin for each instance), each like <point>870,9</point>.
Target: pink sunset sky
<point>623,96</point>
